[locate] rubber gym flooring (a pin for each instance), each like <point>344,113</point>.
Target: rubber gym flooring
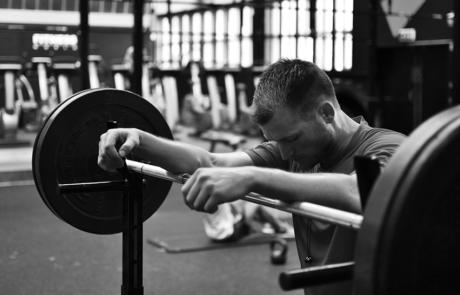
<point>40,254</point>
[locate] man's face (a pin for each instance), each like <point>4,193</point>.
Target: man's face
<point>304,139</point>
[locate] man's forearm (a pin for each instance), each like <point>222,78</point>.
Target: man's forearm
<point>174,156</point>
<point>334,190</point>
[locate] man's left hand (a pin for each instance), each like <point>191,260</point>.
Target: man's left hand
<point>209,187</point>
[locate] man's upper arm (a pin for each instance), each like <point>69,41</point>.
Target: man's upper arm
<point>233,159</point>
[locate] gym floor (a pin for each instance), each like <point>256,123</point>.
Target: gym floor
<point>40,254</point>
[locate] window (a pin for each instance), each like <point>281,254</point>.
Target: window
<point>289,32</point>
<point>314,30</point>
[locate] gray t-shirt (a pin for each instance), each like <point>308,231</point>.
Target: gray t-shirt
<point>326,243</point>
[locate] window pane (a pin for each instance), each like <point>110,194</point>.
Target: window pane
<point>305,48</point>
<point>220,53</point>
<point>234,50</point>
<point>348,6</point>
<point>304,4</point>
<point>208,23</point>
<point>328,52</point>
<point>319,16</point>
<point>175,24</point>
<point>320,52</point>
<point>208,54</point>
<point>275,48</point>
<point>328,15</point>
<point>208,50</point>
<point>289,18</point>
<point>185,40</point>
<point>348,16</point>
<point>175,38</point>
<point>196,47</point>
<point>304,18</point>
<point>339,21</point>
<point>233,22</point>
<point>268,50</point>
<point>165,41</point>
<point>246,58</point>
<point>275,21</point>
<point>338,63</point>
<point>288,47</point>
<point>348,23</point>
<point>348,61</point>
<point>233,37</point>
<point>268,21</point>
<point>339,15</point>
<point>248,14</point>
<point>220,25</point>
<point>220,36</point>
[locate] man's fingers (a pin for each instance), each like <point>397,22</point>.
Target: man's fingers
<point>109,158</point>
<point>190,191</point>
<point>210,206</point>
<point>127,147</point>
<point>201,199</point>
<point>188,184</point>
<point>109,144</point>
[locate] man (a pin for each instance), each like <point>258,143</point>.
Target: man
<point>308,156</point>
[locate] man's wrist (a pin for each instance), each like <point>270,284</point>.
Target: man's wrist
<point>140,134</point>
<point>255,178</point>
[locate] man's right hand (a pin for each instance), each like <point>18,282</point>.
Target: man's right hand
<point>110,158</point>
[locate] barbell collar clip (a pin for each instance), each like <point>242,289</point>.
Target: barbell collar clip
<point>316,275</point>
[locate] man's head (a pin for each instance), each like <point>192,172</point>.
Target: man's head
<point>295,84</point>
<point>295,105</point>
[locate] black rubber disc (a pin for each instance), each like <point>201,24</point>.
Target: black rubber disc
<point>410,238</point>
<point>66,149</point>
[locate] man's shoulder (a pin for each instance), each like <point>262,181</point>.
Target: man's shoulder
<point>382,135</point>
<point>380,142</point>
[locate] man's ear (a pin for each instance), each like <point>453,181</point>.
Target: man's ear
<point>327,111</point>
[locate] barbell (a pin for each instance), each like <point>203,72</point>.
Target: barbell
<point>322,213</point>
<point>409,228</point>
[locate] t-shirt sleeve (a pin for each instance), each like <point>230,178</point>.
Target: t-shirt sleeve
<point>383,145</point>
<point>267,154</point>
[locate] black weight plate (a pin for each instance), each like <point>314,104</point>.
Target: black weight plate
<point>409,240</point>
<point>66,149</point>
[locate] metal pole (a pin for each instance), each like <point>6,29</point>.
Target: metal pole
<point>84,44</point>
<point>313,33</point>
<point>456,55</point>
<point>138,44</point>
<point>132,238</point>
<point>259,54</point>
<point>373,31</point>
<point>322,213</point>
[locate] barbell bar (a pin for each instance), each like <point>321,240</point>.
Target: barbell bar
<point>318,212</point>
